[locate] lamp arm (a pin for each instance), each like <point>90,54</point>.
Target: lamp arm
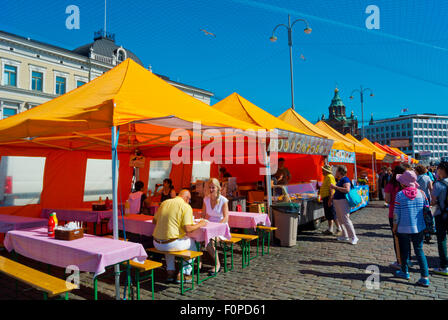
<point>273,31</point>
<point>356,90</point>
<point>306,22</point>
<point>368,89</point>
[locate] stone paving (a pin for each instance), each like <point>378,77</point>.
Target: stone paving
<point>317,268</point>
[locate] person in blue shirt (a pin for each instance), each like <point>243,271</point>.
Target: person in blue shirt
<point>342,207</point>
<point>438,198</point>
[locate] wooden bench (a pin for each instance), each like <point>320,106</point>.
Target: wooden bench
<point>148,265</point>
<point>182,256</point>
<point>226,246</point>
<point>265,231</point>
<point>49,285</point>
<point>245,247</point>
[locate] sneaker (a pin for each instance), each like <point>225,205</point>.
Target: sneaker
<point>395,265</point>
<point>402,275</point>
<point>354,241</point>
<point>423,282</point>
<point>187,278</point>
<point>441,271</point>
<point>342,239</point>
<point>328,232</point>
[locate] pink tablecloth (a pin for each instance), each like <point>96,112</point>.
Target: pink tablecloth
<point>8,223</point>
<point>247,220</point>
<point>89,254</point>
<point>78,214</point>
<point>142,224</point>
<point>135,223</point>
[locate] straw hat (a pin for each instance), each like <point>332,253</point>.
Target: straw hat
<point>327,168</point>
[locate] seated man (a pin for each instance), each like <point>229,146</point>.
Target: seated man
<point>173,220</point>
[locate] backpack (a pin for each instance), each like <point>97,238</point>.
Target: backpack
<point>445,209</point>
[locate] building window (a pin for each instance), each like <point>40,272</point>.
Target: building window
<point>60,85</point>
<point>36,80</point>
<point>79,83</point>
<point>10,76</point>
<point>409,133</point>
<point>7,112</point>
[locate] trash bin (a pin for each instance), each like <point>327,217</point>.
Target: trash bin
<point>286,216</point>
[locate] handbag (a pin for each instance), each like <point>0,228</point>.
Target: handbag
<point>353,197</point>
<point>429,220</point>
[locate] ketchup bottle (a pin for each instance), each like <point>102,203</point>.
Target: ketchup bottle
<point>107,203</point>
<point>239,208</point>
<point>51,226</point>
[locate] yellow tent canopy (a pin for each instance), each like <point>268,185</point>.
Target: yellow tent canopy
<point>369,144</point>
<point>296,120</point>
<point>241,108</point>
<point>129,96</point>
<point>357,147</point>
<point>379,155</point>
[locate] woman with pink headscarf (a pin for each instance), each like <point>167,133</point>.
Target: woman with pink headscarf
<point>409,225</point>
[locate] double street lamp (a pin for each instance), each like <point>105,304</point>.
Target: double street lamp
<point>273,38</point>
<point>361,93</point>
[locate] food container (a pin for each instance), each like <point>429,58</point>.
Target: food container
<point>68,234</point>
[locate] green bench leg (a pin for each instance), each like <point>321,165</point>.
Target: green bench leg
<point>225,249</point>
<point>45,296</point>
<point>137,283</point>
<point>95,288</point>
<point>198,245</point>
<point>181,261</point>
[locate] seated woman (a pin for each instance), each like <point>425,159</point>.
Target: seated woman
<point>167,191</point>
<point>137,198</point>
<point>215,209</point>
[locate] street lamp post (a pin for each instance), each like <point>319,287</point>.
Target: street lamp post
<point>361,93</point>
<point>273,38</point>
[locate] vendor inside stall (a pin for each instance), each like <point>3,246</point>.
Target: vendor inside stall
<point>282,175</point>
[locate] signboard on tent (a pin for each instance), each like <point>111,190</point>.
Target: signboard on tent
<point>341,156</point>
<point>292,142</point>
<point>389,158</point>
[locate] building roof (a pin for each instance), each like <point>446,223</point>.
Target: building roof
<point>409,116</point>
<point>336,101</point>
<point>105,46</point>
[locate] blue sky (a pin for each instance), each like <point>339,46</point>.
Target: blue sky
<point>405,62</point>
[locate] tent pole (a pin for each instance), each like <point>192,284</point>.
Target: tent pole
<point>268,183</point>
<point>115,205</point>
<point>373,169</point>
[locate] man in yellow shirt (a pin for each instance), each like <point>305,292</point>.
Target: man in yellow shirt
<point>326,195</point>
<point>174,220</point>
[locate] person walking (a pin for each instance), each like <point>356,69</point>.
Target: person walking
<point>342,207</point>
<point>390,192</point>
<point>425,184</point>
<point>325,193</point>
<point>409,225</point>
<point>438,200</point>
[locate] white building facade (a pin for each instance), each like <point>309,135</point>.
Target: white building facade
<point>33,72</point>
<point>427,134</point>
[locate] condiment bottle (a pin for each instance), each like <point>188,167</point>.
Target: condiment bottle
<point>55,219</point>
<point>126,207</point>
<point>51,226</point>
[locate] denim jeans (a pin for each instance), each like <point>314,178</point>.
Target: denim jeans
<point>391,223</point>
<point>441,229</point>
<point>404,240</point>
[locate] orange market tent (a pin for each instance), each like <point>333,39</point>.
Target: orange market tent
<point>241,108</point>
<point>125,109</point>
<point>356,147</point>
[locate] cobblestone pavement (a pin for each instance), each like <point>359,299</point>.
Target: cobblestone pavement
<point>318,267</point>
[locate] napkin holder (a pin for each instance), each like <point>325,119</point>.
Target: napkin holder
<point>68,234</point>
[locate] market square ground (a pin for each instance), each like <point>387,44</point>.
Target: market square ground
<point>317,268</point>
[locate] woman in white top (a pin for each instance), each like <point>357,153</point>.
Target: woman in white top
<point>215,209</point>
